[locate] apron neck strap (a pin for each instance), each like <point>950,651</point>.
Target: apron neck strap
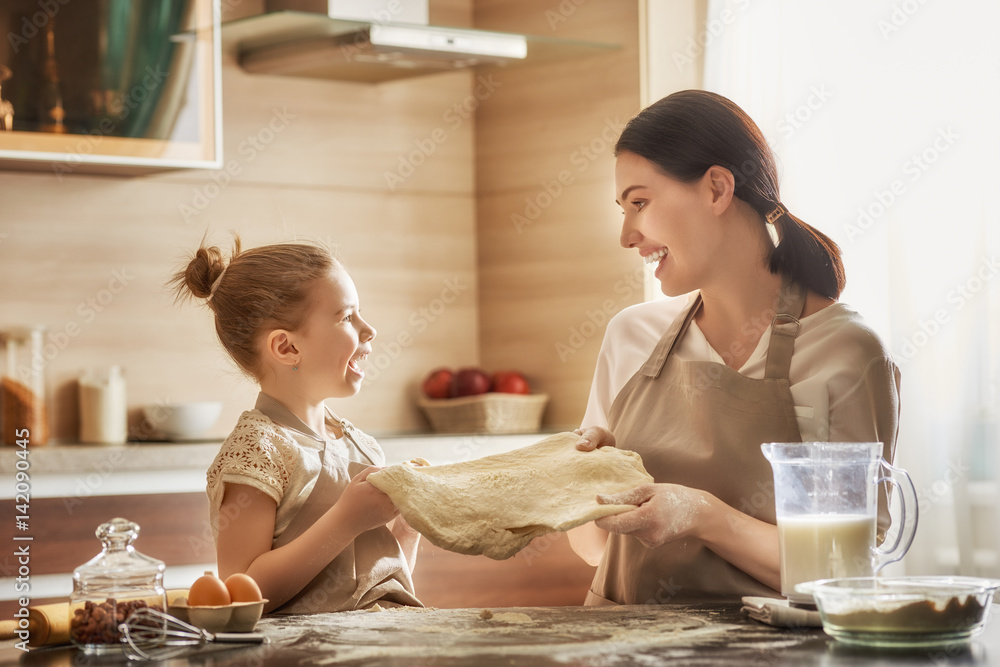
<point>654,364</point>
<point>784,329</point>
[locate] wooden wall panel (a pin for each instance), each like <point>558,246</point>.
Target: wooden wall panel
<point>455,13</point>
<point>317,172</point>
<point>550,267</point>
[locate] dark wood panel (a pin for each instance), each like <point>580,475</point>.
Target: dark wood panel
<point>173,528</point>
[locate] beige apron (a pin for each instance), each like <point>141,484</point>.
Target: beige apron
<point>369,570</point>
<point>700,424</point>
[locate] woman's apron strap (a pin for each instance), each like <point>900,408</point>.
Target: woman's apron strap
<point>784,329</point>
<point>654,364</point>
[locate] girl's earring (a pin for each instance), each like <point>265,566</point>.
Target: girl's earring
<point>296,366</point>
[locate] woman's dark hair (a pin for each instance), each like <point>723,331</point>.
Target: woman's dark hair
<point>691,130</point>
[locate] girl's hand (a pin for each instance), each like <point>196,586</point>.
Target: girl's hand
<point>363,506</point>
<point>593,437</point>
<point>664,513</point>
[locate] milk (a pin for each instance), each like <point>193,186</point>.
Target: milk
<point>823,546</point>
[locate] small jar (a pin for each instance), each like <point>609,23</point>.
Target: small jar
<point>103,407</point>
<point>23,391</point>
<point>110,586</point>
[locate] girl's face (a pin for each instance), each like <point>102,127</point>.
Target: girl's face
<point>334,340</point>
<point>669,222</point>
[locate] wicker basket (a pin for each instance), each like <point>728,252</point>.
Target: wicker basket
<point>485,413</point>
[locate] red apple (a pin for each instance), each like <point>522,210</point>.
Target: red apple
<point>438,383</point>
<point>470,382</point>
<point>510,382</point>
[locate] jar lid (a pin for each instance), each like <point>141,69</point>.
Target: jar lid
<point>119,565</point>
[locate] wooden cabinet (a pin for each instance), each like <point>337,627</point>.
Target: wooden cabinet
<point>118,86</point>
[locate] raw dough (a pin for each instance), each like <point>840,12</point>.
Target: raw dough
<point>497,504</point>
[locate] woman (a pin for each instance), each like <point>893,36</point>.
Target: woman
<point>759,351</point>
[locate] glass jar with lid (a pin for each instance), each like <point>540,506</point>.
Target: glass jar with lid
<point>23,391</point>
<point>110,586</point>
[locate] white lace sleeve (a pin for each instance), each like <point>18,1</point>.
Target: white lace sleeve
<point>253,455</point>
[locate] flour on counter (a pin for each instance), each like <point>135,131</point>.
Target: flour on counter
<point>512,617</point>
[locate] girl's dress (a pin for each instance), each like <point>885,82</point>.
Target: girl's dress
<point>275,452</point>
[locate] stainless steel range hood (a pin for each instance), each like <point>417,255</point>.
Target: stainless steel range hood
<point>291,42</point>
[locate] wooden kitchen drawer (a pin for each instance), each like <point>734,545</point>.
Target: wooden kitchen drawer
<point>172,527</point>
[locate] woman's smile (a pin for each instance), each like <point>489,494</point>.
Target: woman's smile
<point>656,259</point>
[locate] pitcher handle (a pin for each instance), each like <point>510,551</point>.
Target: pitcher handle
<point>908,498</point>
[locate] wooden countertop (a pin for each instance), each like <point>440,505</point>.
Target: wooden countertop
<point>549,636</point>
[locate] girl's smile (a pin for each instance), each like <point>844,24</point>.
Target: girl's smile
<point>354,365</point>
<point>335,339</point>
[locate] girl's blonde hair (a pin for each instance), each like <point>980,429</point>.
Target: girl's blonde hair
<point>259,290</point>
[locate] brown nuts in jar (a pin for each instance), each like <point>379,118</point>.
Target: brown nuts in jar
<point>97,622</point>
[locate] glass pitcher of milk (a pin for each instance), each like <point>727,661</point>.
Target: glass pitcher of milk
<point>826,503</point>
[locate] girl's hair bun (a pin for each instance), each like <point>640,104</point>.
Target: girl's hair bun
<point>262,289</point>
<point>202,271</point>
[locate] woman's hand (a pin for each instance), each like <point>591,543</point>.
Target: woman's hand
<point>593,437</point>
<point>363,506</point>
<point>664,513</point>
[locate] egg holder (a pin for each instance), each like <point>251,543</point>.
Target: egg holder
<point>235,617</point>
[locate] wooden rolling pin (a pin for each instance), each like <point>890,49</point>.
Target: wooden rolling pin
<point>49,623</point>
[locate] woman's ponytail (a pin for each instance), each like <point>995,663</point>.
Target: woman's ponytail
<point>806,255</point>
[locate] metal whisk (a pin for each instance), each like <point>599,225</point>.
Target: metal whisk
<point>150,634</point>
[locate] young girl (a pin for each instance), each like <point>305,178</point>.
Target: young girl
<point>289,502</point>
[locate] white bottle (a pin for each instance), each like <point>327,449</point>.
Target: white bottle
<point>103,407</point>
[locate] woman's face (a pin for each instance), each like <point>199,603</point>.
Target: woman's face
<point>669,222</point>
<point>334,339</point>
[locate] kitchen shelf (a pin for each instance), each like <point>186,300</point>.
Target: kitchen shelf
<point>131,101</point>
<point>316,46</point>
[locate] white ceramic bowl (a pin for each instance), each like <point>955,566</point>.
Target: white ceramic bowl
<point>182,421</point>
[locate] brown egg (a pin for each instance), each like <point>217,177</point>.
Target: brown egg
<point>242,588</point>
<point>208,591</point>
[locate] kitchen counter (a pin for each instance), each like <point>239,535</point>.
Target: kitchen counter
<point>549,636</point>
